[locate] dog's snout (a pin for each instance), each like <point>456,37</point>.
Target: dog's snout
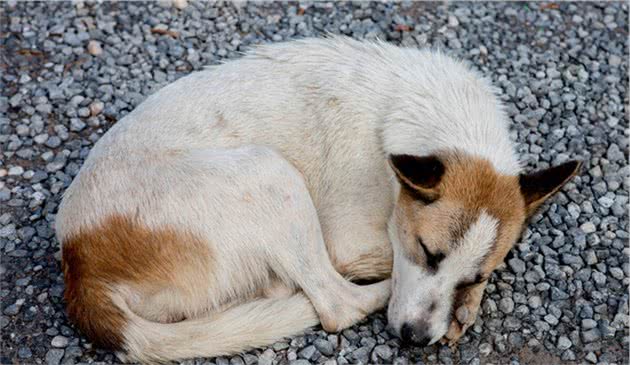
<point>417,333</point>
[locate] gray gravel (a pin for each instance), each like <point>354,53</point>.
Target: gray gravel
<point>70,70</point>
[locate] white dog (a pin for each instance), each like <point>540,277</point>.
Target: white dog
<point>233,207</point>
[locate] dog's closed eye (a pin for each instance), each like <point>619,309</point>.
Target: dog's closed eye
<point>433,259</point>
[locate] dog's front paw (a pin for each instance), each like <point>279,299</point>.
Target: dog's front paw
<point>467,305</point>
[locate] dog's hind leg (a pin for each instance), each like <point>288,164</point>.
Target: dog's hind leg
<point>298,257</point>
<point>338,302</point>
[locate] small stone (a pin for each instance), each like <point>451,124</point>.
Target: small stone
<point>599,278</point>
<point>590,257</point>
<point>59,341</point>
<point>4,321</point>
<point>323,346</point>
<point>279,346</point>
<point>54,356</point>
<point>591,335</point>
<point>617,273</point>
<point>307,352</point>
<point>506,305</point>
<point>564,343</point>
<point>76,125</point>
<point>16,171</point>
<point>517,265</point>
<point>267,357</point>
<point>534,301</point>
<point>24,353</point>
<point>614,60</point>
<point>568,355</point>
<point>588,324</point>
<point>94,48</point>
<point>382,353</point>
<point>588,227</point>
<point>453,21</point>
<point>12,309</point>
<point>591,357</point>
<point>96,108</point>
<point>557,294</point>
<point>53,142</point>
<point>551,319</point>
<point>485,349</point>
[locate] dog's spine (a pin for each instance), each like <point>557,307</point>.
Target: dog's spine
<point>242,327</point>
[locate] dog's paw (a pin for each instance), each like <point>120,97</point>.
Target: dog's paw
<point>467,308</point>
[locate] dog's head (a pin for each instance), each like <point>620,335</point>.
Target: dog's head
<point>455,220</point>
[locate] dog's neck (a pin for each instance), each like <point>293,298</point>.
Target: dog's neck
<point>436,104</point>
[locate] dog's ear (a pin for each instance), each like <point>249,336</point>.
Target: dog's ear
<point>538,186</point>
<point>419,175</point>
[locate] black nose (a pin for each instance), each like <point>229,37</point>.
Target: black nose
<point>415,334</point>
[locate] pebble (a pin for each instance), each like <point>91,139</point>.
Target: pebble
<point>24,353</point>
<point>517,266</point>
<point>564,343</point>
<point>588,227</point>
<point>591,335</point>
<point>59,341</point>
<point>94,48</point>
<point>267,357</point>
<point>323,346</point>
<point>96,108</point>
<point>16,171</point>
<point>54,356</point>
<point>485,349</point>
<point>382,353</point>
<point>506,305</point>
<point>307,352</point>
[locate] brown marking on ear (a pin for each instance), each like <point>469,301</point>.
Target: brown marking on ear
<point>419,175</point>
<point>124,252</point>
<point>538,186</point>
<point>468,186</point>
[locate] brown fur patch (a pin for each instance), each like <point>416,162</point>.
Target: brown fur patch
<point>468,186</point>
<point>124,252</point>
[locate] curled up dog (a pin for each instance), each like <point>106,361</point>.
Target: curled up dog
<point>238,205</point>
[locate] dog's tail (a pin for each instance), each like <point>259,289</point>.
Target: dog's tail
<point>246,326</point>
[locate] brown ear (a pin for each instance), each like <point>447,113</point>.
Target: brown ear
<point>538,186</point>
<point>420,175</point>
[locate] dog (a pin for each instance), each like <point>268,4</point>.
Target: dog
<point>242,203</point>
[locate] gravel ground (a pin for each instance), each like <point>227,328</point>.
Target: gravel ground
<point>71,70</point>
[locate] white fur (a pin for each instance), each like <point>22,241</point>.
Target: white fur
<point>415,289</point>
<point>328,112</point>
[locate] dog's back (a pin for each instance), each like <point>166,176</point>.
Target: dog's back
<point>318,102</point>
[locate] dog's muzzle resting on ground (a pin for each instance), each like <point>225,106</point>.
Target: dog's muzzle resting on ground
<point>236,206</point>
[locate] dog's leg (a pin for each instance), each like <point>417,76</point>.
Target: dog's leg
<point>466,309</point>
<point>338,302</point>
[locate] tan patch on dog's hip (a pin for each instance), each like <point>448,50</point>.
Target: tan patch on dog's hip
<point>124,252</point>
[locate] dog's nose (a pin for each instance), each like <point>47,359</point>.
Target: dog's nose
<point>416,334</point>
